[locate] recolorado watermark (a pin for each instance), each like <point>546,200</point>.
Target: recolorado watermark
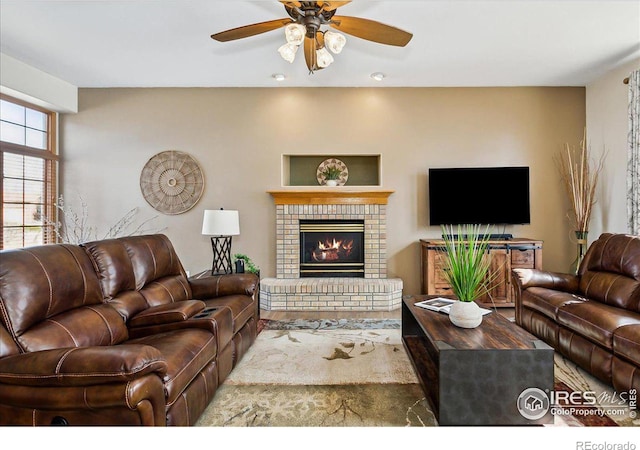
<point>590,445</point>
<point>534,403</point>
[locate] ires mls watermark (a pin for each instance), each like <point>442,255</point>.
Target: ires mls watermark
<point>534,403</point>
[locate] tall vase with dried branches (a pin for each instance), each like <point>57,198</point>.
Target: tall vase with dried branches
<point>579,173</point>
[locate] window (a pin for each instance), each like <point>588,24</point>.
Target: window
<point>28,165</point>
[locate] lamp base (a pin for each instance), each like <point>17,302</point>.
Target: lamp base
<point>221,246</point>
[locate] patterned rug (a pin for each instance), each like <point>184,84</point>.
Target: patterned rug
<point>355,373</point>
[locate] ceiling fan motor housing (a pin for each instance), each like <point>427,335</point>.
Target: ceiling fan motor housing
<point>311,16</point>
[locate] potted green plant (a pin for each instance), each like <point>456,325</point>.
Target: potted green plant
<point>249,265</point>
<point>466,264</point>
<point>332,175</point>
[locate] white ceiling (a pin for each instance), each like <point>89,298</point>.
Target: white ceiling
<point>132,43</point>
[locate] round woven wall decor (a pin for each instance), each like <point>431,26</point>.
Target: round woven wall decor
<point>172,182</point>
<point>336,164</point>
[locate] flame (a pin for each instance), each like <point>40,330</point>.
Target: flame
<point>333,250</point>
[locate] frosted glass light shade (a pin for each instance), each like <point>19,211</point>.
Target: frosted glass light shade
<point>288,52</point>
<point>324,57</point>
<point>334,41</point>
<point>294,33</point>
<point>221,222</point>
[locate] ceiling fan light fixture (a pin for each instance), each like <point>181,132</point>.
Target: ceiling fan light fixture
<point>324,58</point>
<point>294,33</point>
<point>334,41</point>
<point>288,52</point>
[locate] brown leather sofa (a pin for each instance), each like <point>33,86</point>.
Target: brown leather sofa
<point>114,333</point>
<point>592,318</point>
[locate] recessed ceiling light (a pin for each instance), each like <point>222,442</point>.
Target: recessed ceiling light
<point>278,76</point>
<point>378,76</point>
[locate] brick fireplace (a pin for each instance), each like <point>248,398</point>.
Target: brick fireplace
<point>355,286</point>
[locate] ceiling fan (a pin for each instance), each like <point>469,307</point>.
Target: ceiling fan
<point>303,27</point>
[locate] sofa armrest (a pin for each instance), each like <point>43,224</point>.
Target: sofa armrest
<point>221,285</point>
<point>526,278</point>
<point>168,313</point>
<point>82,366</point>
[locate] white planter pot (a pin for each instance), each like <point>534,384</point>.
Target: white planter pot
<point>465,314</point>
<point>332,182</point>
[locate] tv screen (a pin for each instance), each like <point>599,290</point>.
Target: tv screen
<point>479,195</point>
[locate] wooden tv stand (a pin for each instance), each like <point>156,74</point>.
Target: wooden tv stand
<point>505,255</point>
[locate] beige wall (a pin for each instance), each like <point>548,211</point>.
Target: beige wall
<point>239,135</point>
<point>607,101</point>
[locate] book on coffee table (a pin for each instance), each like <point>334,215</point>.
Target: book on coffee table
<point>440,304</point>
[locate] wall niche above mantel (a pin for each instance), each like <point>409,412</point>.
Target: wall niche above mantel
<point>301,170</point>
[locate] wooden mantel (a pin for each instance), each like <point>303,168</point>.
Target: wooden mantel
<point>331,196</point>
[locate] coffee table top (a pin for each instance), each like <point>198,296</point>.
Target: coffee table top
<point>495,332</point>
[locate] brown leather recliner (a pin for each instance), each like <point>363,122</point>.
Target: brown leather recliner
<point>72,352</point>
<point>592,318</point>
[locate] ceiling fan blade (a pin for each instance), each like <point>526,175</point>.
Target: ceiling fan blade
<point>250,30</point>
<point>291,4</point>
<point>331,6</point>
<point>310,53</point>
<point>371,30</point>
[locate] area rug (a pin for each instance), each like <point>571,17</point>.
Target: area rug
<point>352,373</point>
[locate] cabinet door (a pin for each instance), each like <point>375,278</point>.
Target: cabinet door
<point>499,280</point>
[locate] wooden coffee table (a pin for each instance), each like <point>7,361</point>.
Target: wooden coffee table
<point>475,376</point>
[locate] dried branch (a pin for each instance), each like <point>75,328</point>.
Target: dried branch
<point>74,228</point>
<point>580,174</point>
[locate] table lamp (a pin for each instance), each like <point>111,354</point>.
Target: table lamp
<point>221,224</point>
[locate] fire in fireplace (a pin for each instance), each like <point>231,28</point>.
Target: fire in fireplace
<point>332,248</point>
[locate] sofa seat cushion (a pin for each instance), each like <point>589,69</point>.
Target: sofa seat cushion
<point>596,321</point>
<point>626,343</point>
<point>242,308</point>
<point>186,353</point>
<point>547,301</point>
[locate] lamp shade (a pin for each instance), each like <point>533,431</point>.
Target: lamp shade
<point>324,58</point>
<point>294,33</point>
<point>288,52</point>
<point>221,222</point>
<point>334,41</point>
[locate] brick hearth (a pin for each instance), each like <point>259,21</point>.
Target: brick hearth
<point>288,291</point>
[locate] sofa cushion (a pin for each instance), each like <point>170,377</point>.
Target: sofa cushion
<point>610,271</point>
<point>80,327</point>
<point>43,288</point>
<point>626,343</point>
<point>186,353</point>
<point>595,321</point>
<point>547,301</point>
<point>113,266</point>
<point>168,289</point>
<point>153,257</point>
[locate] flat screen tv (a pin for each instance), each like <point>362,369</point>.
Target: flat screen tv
<point>479,195</point>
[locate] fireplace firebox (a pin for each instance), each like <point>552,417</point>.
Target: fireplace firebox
<point>332,248</point>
